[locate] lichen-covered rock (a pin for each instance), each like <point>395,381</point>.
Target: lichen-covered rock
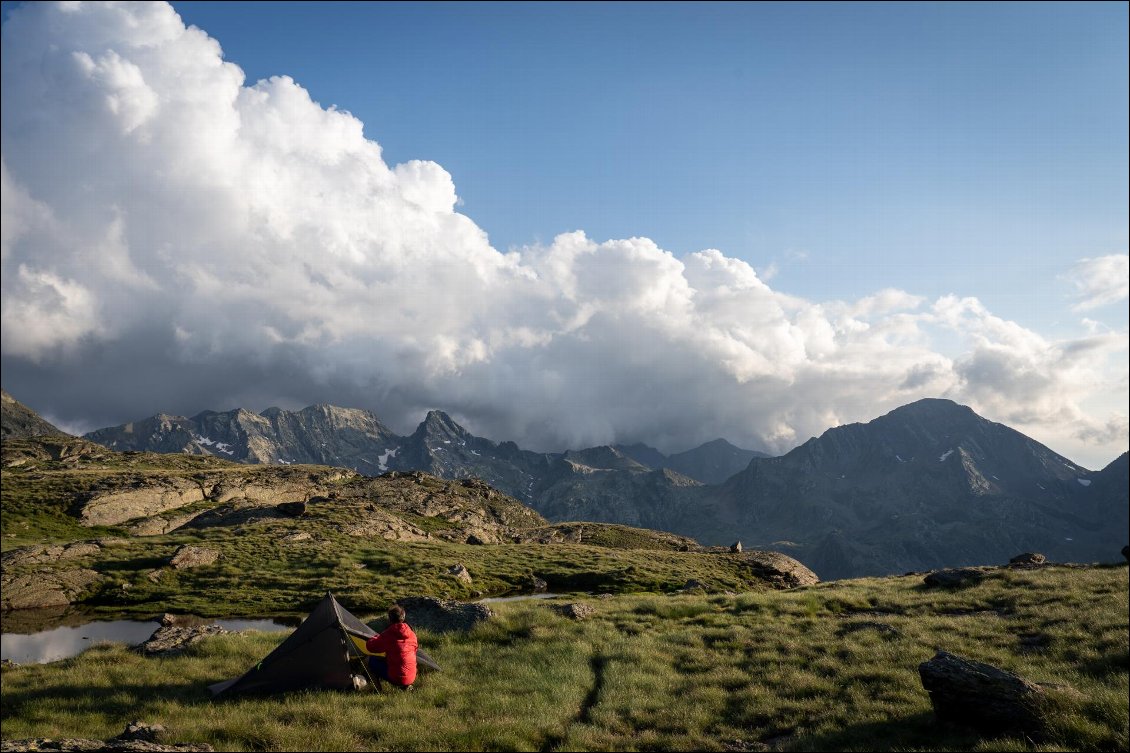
<point>40,555</point>
<point>443,615</point>
<point>172,639</point>
<point>982,696</point>
<point>460,573</point>
<point>574,611</point>
<point>142,731</point>
<point>778,570</point>
<point>45,588</point>
<point>193,556</point>
<point>377,524</point>
<point>148,498</point>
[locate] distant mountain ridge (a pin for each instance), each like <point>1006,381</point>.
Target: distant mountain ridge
<point>354,438</point>
<point>928,485</point>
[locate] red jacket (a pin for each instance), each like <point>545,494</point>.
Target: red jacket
<point>398,644</point>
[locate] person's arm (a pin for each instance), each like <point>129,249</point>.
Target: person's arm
<point>378,644</point>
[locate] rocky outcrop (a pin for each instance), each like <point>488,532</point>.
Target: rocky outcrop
<point>150,498</point>
<point>778,570</point>
<point>957,577</point>
<point>982,696</point>
<point>377,524</point>
<point>45,588</point>
<point>736,547</point>
<point>193,556</point>
<point>42,555</point>
<point>171,638</point>
<point>443,615</point>
<point>1028,559</point>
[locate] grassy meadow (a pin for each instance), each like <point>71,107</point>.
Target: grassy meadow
<point>827,667</point>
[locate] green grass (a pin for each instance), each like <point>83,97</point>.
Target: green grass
<point>830,667</point>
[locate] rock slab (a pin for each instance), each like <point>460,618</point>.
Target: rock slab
<point>982,696</point>
<point>778,570</point>
<point>443,615</point>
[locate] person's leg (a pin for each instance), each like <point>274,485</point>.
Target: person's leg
<point>378,667</point>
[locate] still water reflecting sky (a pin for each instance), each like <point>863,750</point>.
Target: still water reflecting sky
<point>64,642</point>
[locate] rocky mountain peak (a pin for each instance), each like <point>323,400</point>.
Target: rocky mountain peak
<point>439,424</point>
<point>19,421</point>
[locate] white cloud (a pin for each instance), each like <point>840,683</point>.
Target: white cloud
<point>1100,281</point>
<point>175,239</point>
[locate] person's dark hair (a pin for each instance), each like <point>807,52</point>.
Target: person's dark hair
<point>395,613</point>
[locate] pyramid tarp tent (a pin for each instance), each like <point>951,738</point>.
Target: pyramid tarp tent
<point>323,652</point>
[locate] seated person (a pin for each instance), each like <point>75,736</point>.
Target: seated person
<point>398,644</point>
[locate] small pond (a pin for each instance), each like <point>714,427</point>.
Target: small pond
<point>65,641</point>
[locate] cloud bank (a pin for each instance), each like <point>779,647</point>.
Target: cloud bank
<point>175,239</point>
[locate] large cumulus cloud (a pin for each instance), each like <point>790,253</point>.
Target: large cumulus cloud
<point>174,238</point>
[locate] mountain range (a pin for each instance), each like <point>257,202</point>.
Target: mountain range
<point>928,485</point>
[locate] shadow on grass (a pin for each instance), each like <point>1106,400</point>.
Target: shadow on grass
<point>913,732</point>
<point>123,700</point>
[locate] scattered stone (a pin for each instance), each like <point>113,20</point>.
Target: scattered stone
<point>1028,558</point>
<point>460,573</point>
<point>193,556</point>
<point>958,577</point>
<point>982,696</point>
<point>574,611</point>
<point>291,509</point>
<point>141,731</point>
<point>172,639</point>
<point>154,576</point>
<point>443,615</point>
<point>779,570</point>
<point>294,538</point>
<point>736,547</point>
<point>536,585</point>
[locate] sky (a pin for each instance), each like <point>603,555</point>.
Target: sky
<point>571,224</point>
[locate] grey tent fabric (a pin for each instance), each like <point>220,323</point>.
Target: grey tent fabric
<point>317,654</point>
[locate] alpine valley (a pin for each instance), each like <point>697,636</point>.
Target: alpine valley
<point>931,484</point>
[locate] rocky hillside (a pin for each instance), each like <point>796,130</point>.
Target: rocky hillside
<point>17,421</point>
<point>356,439</point>
<point>134,530</point>
<point>930,484</point>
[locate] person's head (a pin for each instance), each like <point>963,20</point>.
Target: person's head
<point>395,614</point>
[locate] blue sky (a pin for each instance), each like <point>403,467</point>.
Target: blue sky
<point>976,149</point>
<point>906,201</point>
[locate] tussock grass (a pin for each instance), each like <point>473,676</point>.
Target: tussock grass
<point>829,667</point>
